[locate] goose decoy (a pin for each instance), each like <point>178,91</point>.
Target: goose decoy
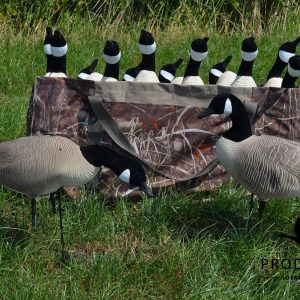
<point>59,50</point>
<point>296,230</point>
<point>167,72</point>
<point>47,50</point>
<point>147,48</point>
<point>112,56</point>
<point>267,166</point>
<point>198,53</point>
<point>285,52</point>
<point>39,165</point>
<point>249,53</point>
<point>226,79</point>
<point>131,73</point>
<point>218,70</point>
<point>86,72</point>
<point>292,73</point>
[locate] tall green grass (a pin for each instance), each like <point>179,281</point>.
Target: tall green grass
<point>178,246</point>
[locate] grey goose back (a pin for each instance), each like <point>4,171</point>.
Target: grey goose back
<point>39,165</point>
<point>267,166</point>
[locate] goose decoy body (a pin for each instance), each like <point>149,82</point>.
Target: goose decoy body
<point>59,50</point>
<point>292,73</point>
<point>112,56</point>
<point>296,230</point>
<point>86,72</point>
<point>249,53</point>
<point>267,166</point>
<point>285,52</point>
<point>198,53</point>
<point>47,50</point>
<point>226,79</point>
<point>167,72</point>
<point>147,48</point>
<point>39,165</point>
<point>218,70</point>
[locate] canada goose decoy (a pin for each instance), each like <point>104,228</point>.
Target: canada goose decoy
<point>112,56</point>
<point>292,73</point>
<point>218,70</point>
<point>86,72</point>
<point>167,72</point>
<point>198,53</point>
<point>147,48</point>
<point>285,52</point>
<point>131,73</point>
<point>249,53</point>
<point>296,230</point>
<point>59,50</point>
<point>39,165</point>
<point>47,50</point>
<point>267,166</point>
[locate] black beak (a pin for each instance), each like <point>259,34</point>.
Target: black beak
<point>147,190</point>
<point>207,112</point>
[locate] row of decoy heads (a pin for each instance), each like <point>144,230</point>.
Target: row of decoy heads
<point>55,49</point>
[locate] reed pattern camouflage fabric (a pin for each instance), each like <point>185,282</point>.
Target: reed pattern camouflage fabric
<point>157,123</point>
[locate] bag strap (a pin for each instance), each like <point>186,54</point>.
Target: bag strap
<point>113,130</point>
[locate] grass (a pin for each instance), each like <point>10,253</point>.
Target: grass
<point>179,246</point>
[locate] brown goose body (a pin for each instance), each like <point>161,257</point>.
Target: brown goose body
<point>39,165</point>
<point>267,166</point>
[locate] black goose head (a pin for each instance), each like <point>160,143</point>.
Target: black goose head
<point>111,52</point>
<point>218,69</point>
<point>249,49</point>
<point>47,40</point>
<point>84,73</point>
<point>59,45</point>
<point>294,66</point>
<point>288,49</point>
<point>167,73</point>
<point>147,44</point>
<point>199,49</point>
<point>131,73</point>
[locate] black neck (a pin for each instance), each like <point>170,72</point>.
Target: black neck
<point>192,68</point>
<point>288,81</point>
<point>112,70</point>
<point>148,62</point>
<point>241,128</point>
<point>245,68</point>
<point>49,63</point>
<point>59,64</point>
<point>212,79</point>
<point>277,69</point>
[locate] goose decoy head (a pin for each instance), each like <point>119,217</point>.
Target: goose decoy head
<point>294,66</point>
<point>288,50</point>
<point>226,104</point>
<point>249,49</point>
<point>199,49</point>
<point>59,45</point>
<point>131,74</point>
<point>218,69</point>
<point>167,73</point>
<point>111,52</point>
<point>136,176</point>
<point>147,44</point>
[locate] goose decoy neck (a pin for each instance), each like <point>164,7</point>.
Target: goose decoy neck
<point>231,106</point>
<point>112,56</point>
<point>277,69</point>
<point>167,73</point>
<point>84,73</point>
<point>249,53</point>
<point>292,73</point>
<point>147,48</point>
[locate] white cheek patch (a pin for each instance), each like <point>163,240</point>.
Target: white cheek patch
<point>228,107</point>
<point>198,56</point>
<point>47,49</point>
<point>249,56</point>
<point>147,49</point>
<point>293,72</point>
<point>112,59</point>
<point>127,77</point>
<point>59,51</point>
<point>167,75</point>
<point>216,72</point>
<point>285,56</point>
<point>125,176</point>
